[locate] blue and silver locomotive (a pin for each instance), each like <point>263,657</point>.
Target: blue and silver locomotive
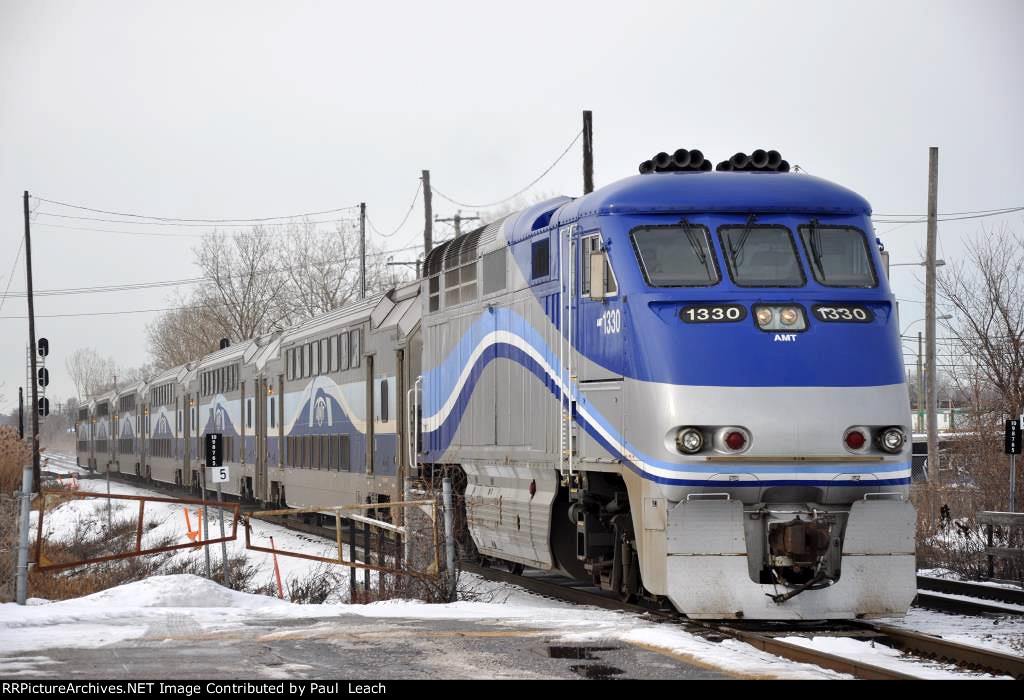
<point>686,384</point>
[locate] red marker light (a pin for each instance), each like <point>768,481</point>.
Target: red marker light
<point>855,439</point>
<point>735,440</point>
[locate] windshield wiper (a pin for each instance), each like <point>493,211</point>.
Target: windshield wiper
<point>736,250</point>
<point>816,245</point>
<point>693,243</point>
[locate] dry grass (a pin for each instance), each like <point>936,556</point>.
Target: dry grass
<point>975,478</point>
<point>14,454</point>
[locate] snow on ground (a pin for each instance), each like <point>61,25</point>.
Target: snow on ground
<point>1005,634</point>
<point>883,656</point>
<point>130,611</point>
<point>952,575</point>
<point>171,523</point>
<point>125,612</point>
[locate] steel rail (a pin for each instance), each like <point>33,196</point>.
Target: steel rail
<point>975,590</point>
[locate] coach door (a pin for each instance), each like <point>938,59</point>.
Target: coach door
<point>186,439</point>
<point>261,401</point>
<point>370,411</point>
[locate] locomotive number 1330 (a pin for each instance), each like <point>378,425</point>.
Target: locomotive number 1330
<point>713,313</point>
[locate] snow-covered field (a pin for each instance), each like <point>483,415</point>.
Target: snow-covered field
<point>133,610</point>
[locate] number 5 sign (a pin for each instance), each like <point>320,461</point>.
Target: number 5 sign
<point>215,458</point>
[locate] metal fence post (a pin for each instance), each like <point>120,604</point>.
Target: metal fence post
<point>449,536</point>
<point>224,544</point>
<point>26,509</point>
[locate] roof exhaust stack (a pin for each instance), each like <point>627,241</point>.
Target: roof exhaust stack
<point>681,161</point>
<point>760,161</point>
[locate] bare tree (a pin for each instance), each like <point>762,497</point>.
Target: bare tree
<point>91,373</point>
<point>183,334</point>
<point>321,269</point>
<point>986,295</point>
<point>244,285</point>
<point>258,282</point>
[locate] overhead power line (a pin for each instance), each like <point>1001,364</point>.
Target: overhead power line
<point>136,286</point>
<point>10,277</point>
<point>537,179</point>
<point>193,220</point>
<point>999,212</point>
<point>174,224</point>
<point>412,205</point>
<point>234,232</point>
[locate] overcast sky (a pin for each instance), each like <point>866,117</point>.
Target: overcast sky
<point>242,110</point>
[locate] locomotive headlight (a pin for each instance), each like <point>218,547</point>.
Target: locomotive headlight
<point>764,316</point>
<point>892,440</point>
<point>689,440</point>
<point>789,316</point>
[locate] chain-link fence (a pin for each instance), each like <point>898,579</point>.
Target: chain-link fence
<point>9,511</point>
<point>14,455</point>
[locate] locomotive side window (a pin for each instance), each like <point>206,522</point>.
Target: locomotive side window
<point>761,256</point>
<point>839,256</point>
<point>588,246</point>
<point>494,271</point>
<point>676,256</point>
<point>435,292</point>
<point>540,259</point>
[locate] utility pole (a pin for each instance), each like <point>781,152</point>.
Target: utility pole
<point>920,383</point>
<point>457,221</point>
<point>588,151</point>
<point>362,250</point>
<point>21,413</point>
<point>933,206</point>
<point>428,215</point>
<point>32,350</point>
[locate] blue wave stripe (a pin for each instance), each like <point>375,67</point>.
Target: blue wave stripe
<point>437,441</point>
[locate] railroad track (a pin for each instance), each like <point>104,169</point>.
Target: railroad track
<point>767,636</point>
<point>761,636</point>
<point>1011,596</point>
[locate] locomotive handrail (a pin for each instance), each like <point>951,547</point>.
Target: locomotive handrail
<point>793,458</point>
<point>884,495</point>
<point>708,497</point>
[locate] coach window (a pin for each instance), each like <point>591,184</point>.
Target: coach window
<point>272,416</point>
<point>343,357</point>
<point>540,259</point>
<point>248,411</point>
<point>356,346</point>
<point>384,400</point>
<point>332,355</point>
